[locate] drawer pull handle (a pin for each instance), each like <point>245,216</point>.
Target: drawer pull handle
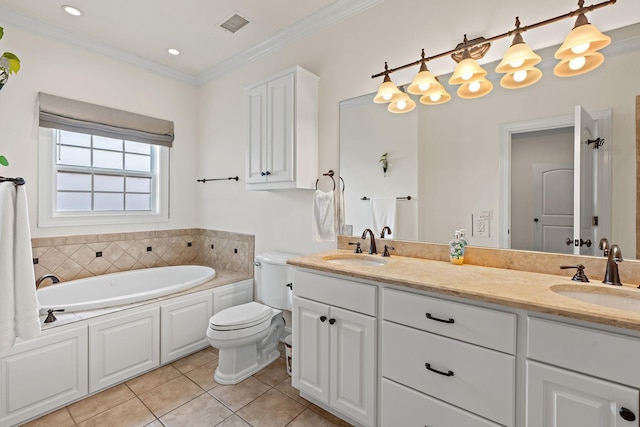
<point>627,414</point>
<point>446,374</point>
<point>323,318</point>
<point>429,316</point>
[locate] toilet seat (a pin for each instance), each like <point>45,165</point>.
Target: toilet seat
<point>241,317</point>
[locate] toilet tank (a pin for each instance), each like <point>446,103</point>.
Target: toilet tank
<point>272,276</point>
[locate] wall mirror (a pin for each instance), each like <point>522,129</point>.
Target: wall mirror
<point>470,163</point>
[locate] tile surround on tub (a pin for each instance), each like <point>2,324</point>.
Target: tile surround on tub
<point>75,257</point>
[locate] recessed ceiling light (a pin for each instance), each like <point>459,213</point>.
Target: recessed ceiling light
<point>173,51</point>
<point>71,10</point>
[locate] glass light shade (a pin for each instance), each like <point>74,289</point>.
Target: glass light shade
<point>424,83</point>
<point>568,66</point>
<point>475,89</point>
<point>519,55</point>
<point>403,104</point>
<point>466,71</point>
<point>515,81</point>
<point>438,96</point>
<point>387,92</point>
<point>583,39</point>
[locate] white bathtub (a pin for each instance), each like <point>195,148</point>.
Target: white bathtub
<point>122,288</point>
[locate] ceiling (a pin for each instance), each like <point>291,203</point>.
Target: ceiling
<point>141,31</point>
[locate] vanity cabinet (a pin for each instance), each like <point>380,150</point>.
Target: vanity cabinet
<point>283,131</point>
<point>334,342</point>
<point>123,346</point>
<point>593,380</point>
<point>42,374</point>
<point>449,353</point>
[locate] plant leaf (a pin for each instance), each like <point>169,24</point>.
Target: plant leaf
<point>14,62</point>
<point>1,32</point>
<point>4,161</point>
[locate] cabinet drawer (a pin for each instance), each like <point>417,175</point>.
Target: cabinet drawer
<point>598,353</point>
<point>335,291</point>
<point>404,407</point>
<point>479,380</point>
<point>482,326</point>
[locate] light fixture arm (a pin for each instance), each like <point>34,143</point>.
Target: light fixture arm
<point>468,44</point>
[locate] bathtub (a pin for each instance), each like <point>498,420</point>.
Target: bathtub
<point>122,288</point>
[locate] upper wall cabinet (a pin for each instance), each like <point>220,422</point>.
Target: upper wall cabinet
<point>283,131</point>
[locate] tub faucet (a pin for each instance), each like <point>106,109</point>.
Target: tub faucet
<point>385,229</point>
<point>611,276</point>
<point>40,279</point>
<point>372,241</point>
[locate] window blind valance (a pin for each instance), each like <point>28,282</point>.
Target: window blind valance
<point>82,117</point>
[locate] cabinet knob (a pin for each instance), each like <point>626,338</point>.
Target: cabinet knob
<point>627,414</point>
<point>332,321</point>
<point>323,318</point>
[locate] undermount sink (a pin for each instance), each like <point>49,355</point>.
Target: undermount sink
<point>355,260</point>
<point>621,298</point>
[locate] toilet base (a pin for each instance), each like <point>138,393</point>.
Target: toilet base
<point>236,377</point>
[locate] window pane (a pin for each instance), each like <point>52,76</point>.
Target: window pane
<point>138,185</point>
<point>73,181</point>
<point>108,183</point>
<point>134,162</point>
<point>74,202</point>
<point>108,202</point>
<point>74,156</point>
<point>107,143</point>
<point>138,202</point>
<point>77,139</point>
<point>137,147</point>
<point>107,159</point>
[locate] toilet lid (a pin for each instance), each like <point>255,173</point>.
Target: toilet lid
<point>241,316</point>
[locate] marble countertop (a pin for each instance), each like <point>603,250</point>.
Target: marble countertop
<point>511,288</point>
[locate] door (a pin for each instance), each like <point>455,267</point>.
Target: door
<point>584,182</point>
<point>280,96</point>
<point>553,207</point>
<point>560,398</point>
<point>310,364</point>
<point>352,374</point>
<point>257,155</point>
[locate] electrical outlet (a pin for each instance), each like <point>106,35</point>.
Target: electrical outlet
<point>481,224</point>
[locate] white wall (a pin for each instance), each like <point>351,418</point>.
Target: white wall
<point>60,69</point>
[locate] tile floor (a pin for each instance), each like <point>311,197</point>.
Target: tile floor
<point>184,393</point>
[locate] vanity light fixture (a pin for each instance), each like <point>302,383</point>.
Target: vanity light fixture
<point>173,51</point>
<point>403,104</point>
<point>578,54</point>
<point>72,10</point>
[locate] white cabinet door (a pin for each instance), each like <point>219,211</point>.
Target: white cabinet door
<point>42,374</point>
<point>257,154</point>
<point>560,398</point>
<point>352,364</point>
<point>122,347</point>
<point>280,115</point>
<point>231,295</point>
<point>310,364</point>
<point>184,327</point>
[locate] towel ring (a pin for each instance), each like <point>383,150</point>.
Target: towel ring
<point>330,175</point>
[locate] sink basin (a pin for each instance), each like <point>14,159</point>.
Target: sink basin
<point>355,260</point>
<point>621,298</point>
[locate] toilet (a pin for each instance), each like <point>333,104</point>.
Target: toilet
<point>247,335</point>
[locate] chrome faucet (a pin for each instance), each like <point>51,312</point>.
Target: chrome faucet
<point>385,229</point>
<point>40,279</point>
<point>372,242</point>
<point>611,276</point>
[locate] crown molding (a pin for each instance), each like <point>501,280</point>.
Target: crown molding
<point>325,17</point>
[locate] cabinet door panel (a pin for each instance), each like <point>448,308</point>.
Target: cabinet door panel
<point>280,129</point>
<point>352,374</point>
<point>231,295</point>
<point>122,347</point>
<point>560,398</point>
<point>184,327</point>
<point>256,156</point>
<point>310,364</point>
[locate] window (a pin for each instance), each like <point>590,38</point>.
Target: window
<point>92,179</point>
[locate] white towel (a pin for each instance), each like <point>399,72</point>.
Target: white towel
<point>19,303</point>
<point>341,212</point>
<point>383,212</point>
<point>324,217</point>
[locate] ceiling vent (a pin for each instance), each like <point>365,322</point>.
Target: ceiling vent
<point>234,23</point>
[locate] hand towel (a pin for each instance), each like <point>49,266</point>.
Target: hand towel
<point>19,303</point>
<point>383,212</point>
<point>323,217</point>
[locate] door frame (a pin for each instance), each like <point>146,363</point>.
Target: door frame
<point>507,130</point>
